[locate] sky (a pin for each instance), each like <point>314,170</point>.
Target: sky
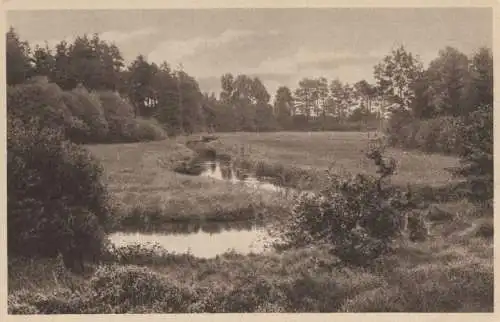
<point>280,46</point>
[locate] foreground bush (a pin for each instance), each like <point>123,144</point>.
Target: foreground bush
<point>227,283</point>
<point>359,216</point>
<point>455,287</point>
<point>140,280</point>
<point>56,202</point>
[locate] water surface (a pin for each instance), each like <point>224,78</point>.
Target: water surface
<point>201,243</point>
<point>221,171</point>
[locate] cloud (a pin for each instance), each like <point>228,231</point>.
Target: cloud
<point>52,43</point>
<point>174,50</point>
<point>108,36</point>
<point>304,62</point>
<point>328,60</point>
<point>120,36</point>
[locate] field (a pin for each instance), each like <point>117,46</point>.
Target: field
<point>450,271</point>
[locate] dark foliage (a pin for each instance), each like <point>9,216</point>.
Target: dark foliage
<point>476,164</point>
<point>56,201</point>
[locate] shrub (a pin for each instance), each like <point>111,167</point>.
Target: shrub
<point>476,164</point>
<point>148,130</point>
<point>83,117</point>
<point>249,295</point>
<point>395,125</point>
<point>119,289</point>
<point>123,125</point>
<point>59,301</point>
<point>39,100</point>
<point>56,201</point>
<point>441,135</point>
<point>358,216</point>
<point>119,114</point>
<point>454,287</point>
<point>87,107</point>
<point>449,139</point>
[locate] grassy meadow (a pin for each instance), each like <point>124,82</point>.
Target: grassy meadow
<point>450,271</point>
<point>143,183</point>
<point>317,151</point>
<point>148,192</point>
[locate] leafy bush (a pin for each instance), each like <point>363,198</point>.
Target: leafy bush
<point>251,294</point>
<point>83,117</point>
<point>119,114</point>
<point>148,130</point>
<point>87,107</point>
<point>396,125</point>
<point>125,287</point>
<point>123,125</point>
<point>39,100</point>
<point>441,135</point>
<point>56,201</point>
<point>450,136</point>
<point>427,135</point>
<point>358,216</point>
<point>476,164</point>
<point>58,301</point>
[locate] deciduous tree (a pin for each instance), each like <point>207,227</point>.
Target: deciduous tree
<point>395,76</point>
<point>447,77</point>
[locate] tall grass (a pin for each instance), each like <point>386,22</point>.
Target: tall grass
<point>144,280</point>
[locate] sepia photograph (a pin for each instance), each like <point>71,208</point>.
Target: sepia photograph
<point>249,160</point>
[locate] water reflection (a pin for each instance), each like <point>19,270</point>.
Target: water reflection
<point>227,171</point>
<point>202,240</point>
<point>192,227</point>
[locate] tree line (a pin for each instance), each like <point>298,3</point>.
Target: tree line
<point>173,97</point>
<point>452,85</point>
